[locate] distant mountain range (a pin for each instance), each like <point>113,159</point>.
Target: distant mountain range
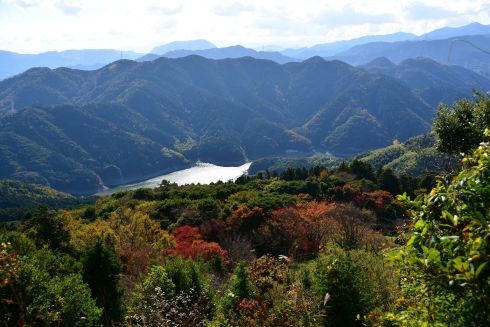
<point>86,67</point>
<point>447,32</point>
<point>396,47</point>
<point>329,49</point>
<point>79,130</point>
<point>221,53</point>
<point>334,48</point>
<point>12,63</point>
<point>342,50</point>
<point>444,51</point>
<point>183,45</point>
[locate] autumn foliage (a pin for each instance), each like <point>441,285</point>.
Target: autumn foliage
<point>189,244</point>
<point>245,220</point>
<point>225,237</point>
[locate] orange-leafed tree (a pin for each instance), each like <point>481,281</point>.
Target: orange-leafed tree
<point>282,233</point>
<point>189,244</point>
<point>375,201</point>
<point>317,224</point>
<point>245,220</point>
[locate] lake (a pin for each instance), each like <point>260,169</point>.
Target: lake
<point>203,173</point>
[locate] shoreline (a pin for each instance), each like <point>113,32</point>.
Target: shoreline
<point>139,177</point>
<point>182,175</point>
<point>130,179</point>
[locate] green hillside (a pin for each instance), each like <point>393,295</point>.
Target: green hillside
<point>18,198</point>
<point>432,81</point>
<point>76,150</point>
<point>369,116</point>
<point>421,73</point>
<point>78,131</point>
<point>417,156</point>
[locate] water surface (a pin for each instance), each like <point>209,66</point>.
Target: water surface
<point>203,173</point>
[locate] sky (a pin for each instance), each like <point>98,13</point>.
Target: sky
<point>34,26</point>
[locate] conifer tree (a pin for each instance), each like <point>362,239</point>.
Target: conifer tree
<point>101,269</point>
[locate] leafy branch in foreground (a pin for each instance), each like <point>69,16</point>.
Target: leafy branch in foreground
<point>447,258</point>
<point>460,128</point>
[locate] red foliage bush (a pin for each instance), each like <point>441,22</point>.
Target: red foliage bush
<point>189,244</point>
<point>186,234</point>
<point>375,201</point>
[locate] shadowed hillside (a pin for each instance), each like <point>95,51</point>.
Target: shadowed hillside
<point>79,130</point>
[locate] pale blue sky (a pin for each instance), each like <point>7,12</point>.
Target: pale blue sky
<point>33,26</point>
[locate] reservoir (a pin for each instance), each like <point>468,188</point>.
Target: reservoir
<point>203,173</point>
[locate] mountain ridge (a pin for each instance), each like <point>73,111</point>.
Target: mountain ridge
<point>101,127</point>
<point>334,48</point>
<point>447,51</point>
<point>231,52</point>
<point>200,44</point>
<point>14,63</point>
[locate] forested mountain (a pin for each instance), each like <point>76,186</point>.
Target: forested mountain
<point>433,82</point>
<point>80,130</point>
<point>461,53</point>
<point>371,115</point>
<point>415,157</point>
<point>17,198</point>
<point>421,73</point>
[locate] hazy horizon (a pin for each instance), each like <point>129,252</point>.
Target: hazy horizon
<point>35,26</point>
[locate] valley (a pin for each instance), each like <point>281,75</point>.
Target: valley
<point>319,163</point>
<point>79,131</point>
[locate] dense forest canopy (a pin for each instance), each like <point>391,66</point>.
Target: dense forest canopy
<point>175,245</point>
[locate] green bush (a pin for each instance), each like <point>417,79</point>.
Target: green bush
<point>144,194</point>
<point>176,294</point>
<point>357,282</point>
<point>41,287</point>
<point>448,254</point>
